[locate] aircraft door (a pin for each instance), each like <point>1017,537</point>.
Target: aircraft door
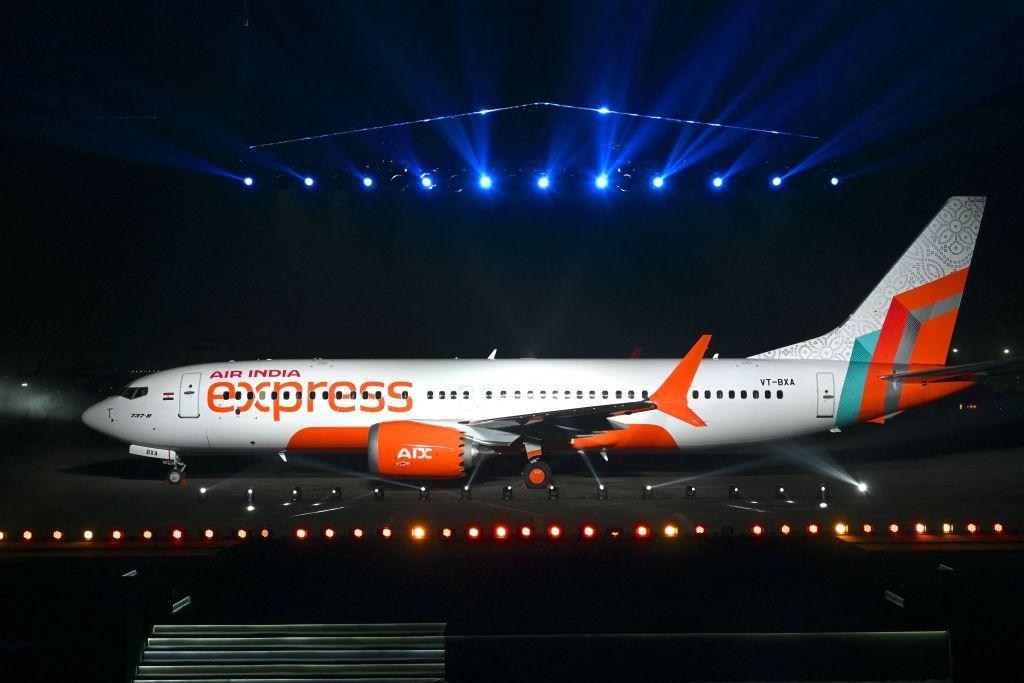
<point>188,395</point>
<point>826,395</point>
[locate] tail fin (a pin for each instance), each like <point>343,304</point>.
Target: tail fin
<point>909,316</point>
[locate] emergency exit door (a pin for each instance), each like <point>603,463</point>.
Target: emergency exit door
<point>188,395</point>
<point>826,395</point>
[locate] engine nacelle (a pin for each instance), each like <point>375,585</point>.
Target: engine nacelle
<point>419,449</point>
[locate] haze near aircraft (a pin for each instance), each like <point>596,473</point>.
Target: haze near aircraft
<point>438,418</point>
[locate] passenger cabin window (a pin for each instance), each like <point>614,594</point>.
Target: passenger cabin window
<point>604,394</point>
<point>405,394</point>
<point>273,395</point>
<point>768,394</point>
<point>263,395</point>
<point>238,395</point>
<point>732,394</point>
<point>707,393</point>
<point>718,394</point>
<point>644,393</point>
<point>579,393</point>
<point>324,395</point>
<point>696,394</point>
<point>132,393</point>
<point>593,394</point>
<point>543,393</point>
<point>504,394</point>
<point>529,394</point>
<point>465,394</point>
<point>226,396</point>
<point>440,394</point>
<point>487,394</point>
<point>287,395</point>
<point>632,394</point>
<point>518,393</point>
<point>338,395</point>
<point>743,393</point>
<point>250,396</point>
<point>756,394</point>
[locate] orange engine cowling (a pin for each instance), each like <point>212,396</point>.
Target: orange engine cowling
<point>418,449</point>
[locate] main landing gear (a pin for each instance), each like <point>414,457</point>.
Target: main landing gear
<point>536,474</point>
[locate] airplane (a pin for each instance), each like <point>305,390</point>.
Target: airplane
<point>439,418</point>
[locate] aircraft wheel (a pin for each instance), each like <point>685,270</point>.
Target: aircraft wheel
<point>174,476</point>
<point>536,474</point>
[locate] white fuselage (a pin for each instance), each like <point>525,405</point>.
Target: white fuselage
<point>186,409</point>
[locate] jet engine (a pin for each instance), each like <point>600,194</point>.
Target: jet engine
<point>420,449</point>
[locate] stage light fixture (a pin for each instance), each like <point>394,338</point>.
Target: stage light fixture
<point>208,534</point>
<point>424,494</point>
<point>671,531</point>
<point>329,533</point>
<point>647,492</point>
<point>776,181</point>
<point>603,110</point>
<point>87,535</point>
<point>862,487</point>
<point>757,529</point>
<point>147,534</point>
<point>700,530</point>
<point>812,529</point>
<point>526,531</point>
<point>691,492</point>
<point>543,182</point>
<point>301,534</point>
<point>446,532</point>
<point>833,181</point>
<point>250,499</point>
<point>385,532</point>
<point>264,533</point>
<point>588,531</point>
<point>642,531</point>
<point>378,494</point>
<point>116,535</point>
<point>242,534</point>
<point>658,182</point>
<point>308,181</point>
<point>947,528</point>
<point>552,492</point>
<point>506,493</point>
<point>473,532</point>
<point>426,181</point>
<point>554,531</point>
<point>920,528</point>
<point>867,528</point>
<point>358,533</point>
<point>248,181</point>
<point>601,181</point>
<point>296,494</point>
<point>734,492</point>
<point>894,528</point>
<point>336,492</point>
<point>2,536</point>
<point>367,182</point>
<point>972,528</point>
<point>58,534</point>
<point>501,532</point>
<point>202,494</point>
<point>26,535</point>
<point>785,529</point>
<point>780,492</point>
<point>841,528</point>
<point>418,533</point>
<point>602,492</point>
<point>466,493</point>
<point>717,182</point>
<point>485,181</point>
<point>998,528</point>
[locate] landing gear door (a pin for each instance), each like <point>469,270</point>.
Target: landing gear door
<point>188,395</point>
<point>826,395</point>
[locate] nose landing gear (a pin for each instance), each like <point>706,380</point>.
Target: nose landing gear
<point>177,471</point>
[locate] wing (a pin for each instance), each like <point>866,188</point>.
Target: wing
<point>562,424</point>
<point>959,373</point>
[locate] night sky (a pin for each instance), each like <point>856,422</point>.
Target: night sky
<point>129,242</point>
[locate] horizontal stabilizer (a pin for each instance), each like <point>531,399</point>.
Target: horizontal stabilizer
<point>959,373</point>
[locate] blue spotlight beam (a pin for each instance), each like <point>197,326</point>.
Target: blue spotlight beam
<point>554,105</point>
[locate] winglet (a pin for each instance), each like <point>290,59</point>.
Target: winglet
<point>671,395</point>
<point>493,355</point>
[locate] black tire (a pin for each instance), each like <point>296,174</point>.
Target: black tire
<point>536,474</point>
<point>174,476</point>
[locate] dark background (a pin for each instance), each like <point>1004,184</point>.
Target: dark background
<point>129,242</point>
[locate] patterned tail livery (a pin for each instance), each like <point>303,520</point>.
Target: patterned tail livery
<point>905,323</point>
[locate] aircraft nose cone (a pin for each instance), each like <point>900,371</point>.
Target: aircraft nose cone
<point>95,417</point>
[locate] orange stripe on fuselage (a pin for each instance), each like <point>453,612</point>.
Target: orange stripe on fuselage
<point>632,438</point>
<point>330,439</point>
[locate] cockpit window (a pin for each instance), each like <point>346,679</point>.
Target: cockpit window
<point>133,392</point>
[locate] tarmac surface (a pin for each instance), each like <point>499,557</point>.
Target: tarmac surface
<point>942,464</point>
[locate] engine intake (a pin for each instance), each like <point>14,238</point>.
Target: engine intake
<point>418,449</point>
